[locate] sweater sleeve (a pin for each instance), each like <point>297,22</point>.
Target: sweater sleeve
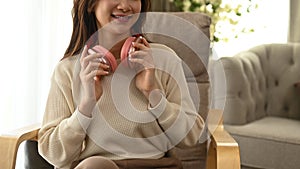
<point>61,136</point>
<point>176,112</point>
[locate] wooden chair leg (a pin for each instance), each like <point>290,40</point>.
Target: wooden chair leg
<point>211,162</point>
<point>223,152</point>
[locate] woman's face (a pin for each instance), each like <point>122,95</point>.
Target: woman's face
<point>119,13</point>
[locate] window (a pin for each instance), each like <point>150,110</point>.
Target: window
<point>270,23</point>
<point>34,35</point>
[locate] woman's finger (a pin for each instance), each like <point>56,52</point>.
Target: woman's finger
<point>84,53</point>
<point>91,58</point>
<point>142,55</point>
<point>145,42</point>
<point>141,43</point>
<point>143,62</point>
<point>96,66</point>
<point>139,46</point>
<point>96,73</point>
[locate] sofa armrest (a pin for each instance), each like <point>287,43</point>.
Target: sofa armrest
<point>223,151</point>
<point>9,144</point>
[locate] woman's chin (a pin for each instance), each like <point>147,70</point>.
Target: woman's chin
<point>121,29</point>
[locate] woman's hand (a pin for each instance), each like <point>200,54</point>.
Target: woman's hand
<point>90,75</point>
<point>143,62</point>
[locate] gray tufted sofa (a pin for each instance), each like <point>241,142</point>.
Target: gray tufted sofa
<point>262,105</point>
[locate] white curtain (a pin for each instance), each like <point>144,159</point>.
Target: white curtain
<point>294,33</point>
<point>33,37</point>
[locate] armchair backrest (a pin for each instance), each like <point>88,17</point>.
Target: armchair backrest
<point>195,67</point>
<point>260,82</point>
<point>280,64</point>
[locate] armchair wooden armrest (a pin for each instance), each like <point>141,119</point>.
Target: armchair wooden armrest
<point>9,144</point>
<point>223,151</point>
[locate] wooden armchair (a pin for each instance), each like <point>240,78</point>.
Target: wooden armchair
<point>223,151</point>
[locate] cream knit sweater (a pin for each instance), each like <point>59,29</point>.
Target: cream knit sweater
<point>66,135</point>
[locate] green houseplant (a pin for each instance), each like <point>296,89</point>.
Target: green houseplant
<point>225,15</point>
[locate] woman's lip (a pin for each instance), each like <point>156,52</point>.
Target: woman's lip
<point>121,17</point>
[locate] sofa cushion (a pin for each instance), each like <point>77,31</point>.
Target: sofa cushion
<point>270,142</point>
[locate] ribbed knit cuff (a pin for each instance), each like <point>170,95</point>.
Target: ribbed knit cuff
<point>159,108</point>
<point>83,120</point>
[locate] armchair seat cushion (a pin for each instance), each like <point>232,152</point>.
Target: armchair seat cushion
<point>271,142</point>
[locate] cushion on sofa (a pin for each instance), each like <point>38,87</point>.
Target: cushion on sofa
<point>270,142</point>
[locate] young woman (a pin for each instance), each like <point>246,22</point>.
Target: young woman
<point>89,126</point>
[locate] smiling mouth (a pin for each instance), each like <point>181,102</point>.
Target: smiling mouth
<point>122,18</point>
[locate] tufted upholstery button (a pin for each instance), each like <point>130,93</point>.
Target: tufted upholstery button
<point>276,82</point>
<point>297,86</point>
<point>240,94</point>
<point>266,107</point>
<point>256,107</point>
<point>292,61</point>
<point>286,108</point>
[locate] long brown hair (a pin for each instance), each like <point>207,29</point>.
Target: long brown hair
<point>85,23</point>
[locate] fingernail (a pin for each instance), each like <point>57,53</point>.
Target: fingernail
<point>90,51</point>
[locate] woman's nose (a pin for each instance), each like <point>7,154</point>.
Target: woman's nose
<point>124,5</point>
